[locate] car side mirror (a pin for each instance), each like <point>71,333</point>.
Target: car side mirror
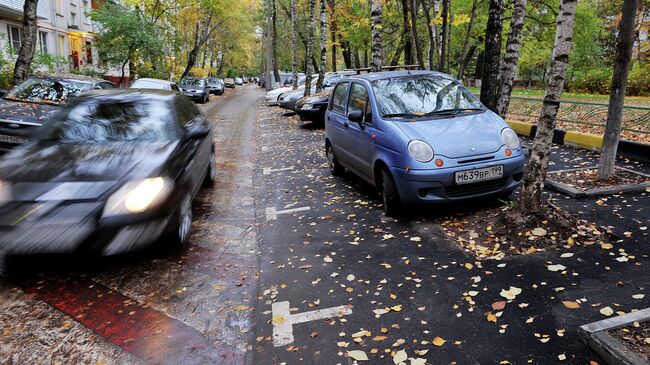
<point>196,131</point>
<point>356,116</point>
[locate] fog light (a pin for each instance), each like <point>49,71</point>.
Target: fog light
<point>439,163</point>
<point>508,152</point>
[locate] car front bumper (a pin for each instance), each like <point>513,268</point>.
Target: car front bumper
<point>438,185</point>
<point>313,114</point>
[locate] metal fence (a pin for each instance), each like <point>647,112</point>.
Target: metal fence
<point>635,119</point>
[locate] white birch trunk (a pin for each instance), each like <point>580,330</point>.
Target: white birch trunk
<point>510,60</point>
<point>376,47</point>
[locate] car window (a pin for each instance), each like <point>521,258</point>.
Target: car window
<point>111,120</point>
<point>107,85</point>
<point>186,111</point>
<point>47,91</point>
<point>192,82</point>
<point>338,98</point>
<point>358,100</point>
<point>175,87</point>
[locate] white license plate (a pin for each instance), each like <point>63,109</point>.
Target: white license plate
<point>12,139</point>
<point>475,175</point>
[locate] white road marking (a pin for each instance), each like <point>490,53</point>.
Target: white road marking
<point>272,214</point>
<point>268,170</point>
<point>283,320</point>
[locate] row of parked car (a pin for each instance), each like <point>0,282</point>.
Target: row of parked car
<point>91,169</point>
<point>417,136</point>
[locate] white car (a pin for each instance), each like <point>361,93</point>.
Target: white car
<point>273,96</point>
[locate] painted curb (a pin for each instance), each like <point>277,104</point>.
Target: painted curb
<point>614,352</point>
<point>579,194</point>
<point>626,149</point>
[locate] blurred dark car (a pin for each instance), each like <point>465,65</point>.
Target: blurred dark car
<point>229,83</point>
<point>195,89</point>
<point>25,107</point>
<point>312,108</point>
<point>112,172</point>
<point>216,86</point>
<point>156,84</point>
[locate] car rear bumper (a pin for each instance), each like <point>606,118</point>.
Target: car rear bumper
<point>438,186</point>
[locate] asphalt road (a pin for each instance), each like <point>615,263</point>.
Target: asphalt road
<point>290,265</point>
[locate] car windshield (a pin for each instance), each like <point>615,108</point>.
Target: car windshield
<point>148,84</point>
<point>108,120</point>
<point>38,90</point>
<point>192,82</point>
<point>415,96</point>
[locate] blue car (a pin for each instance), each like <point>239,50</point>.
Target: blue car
<point>420,137</point>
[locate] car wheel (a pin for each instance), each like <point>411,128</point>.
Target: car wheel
<point>179,232</point>
<point>335,167</point>
<point>211,174</point>
<point>389,194</point>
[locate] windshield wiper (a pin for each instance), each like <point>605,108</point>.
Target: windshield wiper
<point>405,115</point>
<point>452,111</point>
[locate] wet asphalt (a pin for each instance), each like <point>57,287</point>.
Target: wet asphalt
<point>278,228</point>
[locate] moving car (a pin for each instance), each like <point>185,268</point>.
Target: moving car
<point>216,86</point>
<point>112,172</point>
<point>229,82</point>
<point>195,89</point>
<point>155,84</point>
<point>239,81</point>
<point>420,137</point>
<point>25,107</point>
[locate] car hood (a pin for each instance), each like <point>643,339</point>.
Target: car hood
<point>193,87</point>
<point>460,136</point>
<point>25,112</point>
<point>278,91</point>
<point>79,171</point>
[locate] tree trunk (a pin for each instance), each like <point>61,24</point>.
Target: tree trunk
<point>192,55</point>
<point>445,35</point>
<point>414,30</point>
<point>490,81</point>
<point>478,70</point>
<point>357,59</point>
<point>376,41</point>
<point>347,53</point>
<point>269,52</point>
<point>28,45</point>
<point>323,46</point>
<point>510,60</point>
<point>430,31</point>
<point>531,192</point>
<point>333,31</point>
<point>624,47</point>
<point>276,73</point>
<point>463,53</point>
<point>398,51</point>
<point>294,58</point>
<point>406,34</point>
<point>310,42</point>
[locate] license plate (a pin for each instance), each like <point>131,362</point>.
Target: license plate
<point>12,139</point>
<point>482,174</point>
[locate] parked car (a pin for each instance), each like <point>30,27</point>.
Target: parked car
<point>116,170</point>
<point>229,82</point>
<point>420,137</point>
<point>154,84</point>
<point>216,86</point>
<point>245,79</point>
<point>239,81</point>
<point>195,89</point>
<point>25,107</point>
<point>289,99</point>
<point>273,96</point>
<point>312,108</point>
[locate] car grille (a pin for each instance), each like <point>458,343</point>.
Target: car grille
<point>474,188</point>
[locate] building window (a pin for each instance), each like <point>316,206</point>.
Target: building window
<point>59,7</point>
<point>42,41</point>
<point>14,36</point>
<point>73,18</point>
<point>89,53</point>
<point>62,46</point>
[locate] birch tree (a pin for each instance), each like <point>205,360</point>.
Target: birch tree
<point>276,72</point>
<point>463,53</point>
<point>310,42</point>
<point>323,46</point>
<point>624,45</point>
<point>28,44</point>
<point>510,60</point>
<point>376,47</point>
<point>490,80</point>
<point>445,35</point>
<point>294,59</point>
<point>531,193</point>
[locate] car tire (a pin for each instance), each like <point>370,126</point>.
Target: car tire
<point>389,194</point>
<point>335,167</point>
<point>211,174</point>
<point>179,230</point>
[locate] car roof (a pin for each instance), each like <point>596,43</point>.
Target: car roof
<point>155,80</point>
<point>130,94</point>
<point>373,76</point>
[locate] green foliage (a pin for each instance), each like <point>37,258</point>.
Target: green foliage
<point>596,81</point>
<point>639,80</point>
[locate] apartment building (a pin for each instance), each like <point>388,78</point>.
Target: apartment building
<point>64,29</point>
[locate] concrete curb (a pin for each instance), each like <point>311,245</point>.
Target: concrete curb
<point>615,353</point>
<point>578,194</point>
<point>629,149</point>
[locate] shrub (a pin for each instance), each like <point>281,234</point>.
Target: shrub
<point>638,81</point>
<point>596,81</point>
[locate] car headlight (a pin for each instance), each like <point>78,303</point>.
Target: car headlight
<point>137,196</point>
<point>420,150</point>
<point>5,192</point>
<point>509,138</point>
<point>307,106</point>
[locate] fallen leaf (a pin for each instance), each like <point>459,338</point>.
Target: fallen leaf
<point>491,317</point>
<point>606,311</point>
<point>358,355</point>
<point>539,232</point>
<point>497,306</point>
<point>277,320</point>
<point>439,341</point>
<point>571,304</point>
<point>400,356</point>
<point>638,296</point>
<point>556,267</point>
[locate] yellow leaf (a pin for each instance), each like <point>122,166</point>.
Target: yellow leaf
<point>396,308</point>
<point>358,355</point>
<point>491,317</point>
<point>571,304</point>
<point>240,308</point>
<point>469,266</point>
<point>439,341</point>
<point>277,320</point>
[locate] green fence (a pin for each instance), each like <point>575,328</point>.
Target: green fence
<point>635,119</point>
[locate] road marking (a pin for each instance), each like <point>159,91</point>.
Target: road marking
<point>268,170</point>
<point>283,320</point>
<point>272,214</point>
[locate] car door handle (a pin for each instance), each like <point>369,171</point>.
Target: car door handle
<point>346,124</point>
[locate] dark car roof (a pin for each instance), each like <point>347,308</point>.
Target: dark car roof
<point>373,76</point>
<point>130,94</point>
